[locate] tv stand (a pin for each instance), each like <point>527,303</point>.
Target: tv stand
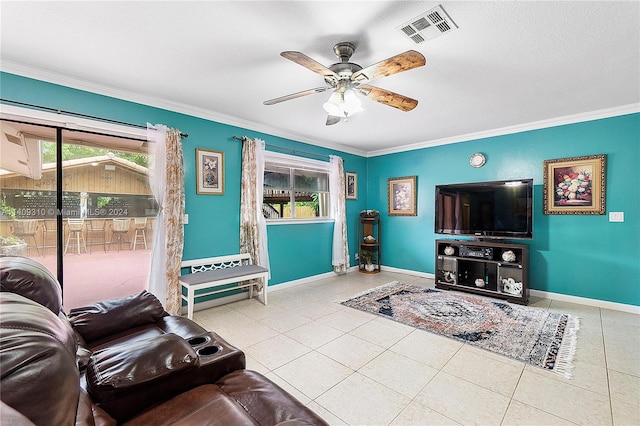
<point>488,268</point>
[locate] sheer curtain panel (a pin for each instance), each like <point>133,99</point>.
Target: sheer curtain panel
<point>167,183</point>
<point>340,252</point>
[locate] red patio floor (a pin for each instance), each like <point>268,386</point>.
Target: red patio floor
<point>98,276</point>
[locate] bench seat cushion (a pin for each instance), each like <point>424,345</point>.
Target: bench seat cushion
<point>222,274</point>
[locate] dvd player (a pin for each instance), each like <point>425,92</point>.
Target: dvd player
<point>474,251</point>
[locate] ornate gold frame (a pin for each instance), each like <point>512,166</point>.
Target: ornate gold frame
<point>575,185</point>
<point>402,196</point>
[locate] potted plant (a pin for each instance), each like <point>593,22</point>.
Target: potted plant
<point>12,246</point>
<point>369,258</point>
<point>6,211</point>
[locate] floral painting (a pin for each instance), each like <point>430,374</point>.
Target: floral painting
<point>402,196</point>
<point>575,185</point>
<point>210,171</point>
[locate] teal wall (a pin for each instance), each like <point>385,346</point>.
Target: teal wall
<point>579,255</point>
<point>296,251</point>
<point>584,256</point>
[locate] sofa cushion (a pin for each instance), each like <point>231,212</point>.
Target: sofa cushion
<point>111,316</point>
<point>37,359</point>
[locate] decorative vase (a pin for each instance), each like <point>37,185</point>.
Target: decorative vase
<point>508,256</point>
<point>480,282</point>
<point>449,251</point>
<point>369,267</point>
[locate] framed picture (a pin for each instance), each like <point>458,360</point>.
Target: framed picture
<point>402,196</point>
<point>575,185</point>
<point>351,182</point>
<point>210,171</point>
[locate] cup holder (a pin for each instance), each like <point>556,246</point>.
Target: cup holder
<point>209,350</point>
<point>199,340</point>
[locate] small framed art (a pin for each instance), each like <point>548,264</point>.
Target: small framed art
<point>210,171</point>
<point>402,196</point>
<point>351,182</point>
<point>575,185</point>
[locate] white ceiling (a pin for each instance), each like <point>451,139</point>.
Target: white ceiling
<point>508,64</point>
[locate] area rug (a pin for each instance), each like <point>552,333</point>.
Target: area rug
<point>533,335</point>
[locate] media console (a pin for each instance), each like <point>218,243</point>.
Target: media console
<point>492,269</point>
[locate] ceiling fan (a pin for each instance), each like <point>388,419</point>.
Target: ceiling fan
<point>347,79</point>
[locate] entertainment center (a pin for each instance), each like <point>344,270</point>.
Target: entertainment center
<point>488,213</point>
<point>488,268</point>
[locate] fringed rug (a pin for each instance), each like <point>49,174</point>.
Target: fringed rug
<point>533,335</point>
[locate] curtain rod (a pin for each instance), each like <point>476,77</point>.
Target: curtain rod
<point>78,115</point>
<point>293,151</point>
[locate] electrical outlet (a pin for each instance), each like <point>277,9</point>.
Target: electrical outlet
<point>616,216</point>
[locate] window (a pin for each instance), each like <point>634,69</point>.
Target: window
<point>295,188</point>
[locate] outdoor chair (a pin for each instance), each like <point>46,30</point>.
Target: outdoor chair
<point>50,231</point>
<point>27,229</point>
<point>97,230</point>
<point>119,231</point>
<point>140,226</point>
<point>76,232</point>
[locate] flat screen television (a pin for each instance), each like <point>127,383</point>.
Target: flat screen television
<point>497,209</point>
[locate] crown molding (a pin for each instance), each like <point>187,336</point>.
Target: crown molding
<point>524,127</point>
<point>127,95</point>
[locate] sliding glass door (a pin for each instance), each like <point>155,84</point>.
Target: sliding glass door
<point>83,208</point>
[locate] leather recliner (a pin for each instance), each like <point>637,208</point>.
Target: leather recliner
<point>122,361</point>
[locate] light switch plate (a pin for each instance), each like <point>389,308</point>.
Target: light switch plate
<point>185,219</point>
<point>616,216</point>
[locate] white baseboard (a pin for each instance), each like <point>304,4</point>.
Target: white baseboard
<point>301,281</point>
<point>632,309</point>
<point>384,268</point>
<point>537,293</point>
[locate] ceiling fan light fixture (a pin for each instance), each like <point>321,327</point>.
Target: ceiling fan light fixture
<point>333,106</point>
<point>343,104</point>
<point>352,104</point>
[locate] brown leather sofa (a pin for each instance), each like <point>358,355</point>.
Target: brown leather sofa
<point>123,361</point>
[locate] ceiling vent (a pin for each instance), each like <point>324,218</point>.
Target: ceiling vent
<point>431,24</point>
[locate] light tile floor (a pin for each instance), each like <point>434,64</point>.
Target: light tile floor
<point>356,368</point>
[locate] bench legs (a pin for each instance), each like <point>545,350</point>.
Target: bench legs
<point>191,295</point>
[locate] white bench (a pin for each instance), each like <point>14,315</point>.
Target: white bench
<point>214,272</point>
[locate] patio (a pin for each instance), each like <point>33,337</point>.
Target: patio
<point>90,277</point>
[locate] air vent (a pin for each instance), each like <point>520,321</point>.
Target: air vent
<point>431,24</point>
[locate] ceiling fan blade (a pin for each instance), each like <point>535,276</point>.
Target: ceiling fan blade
<point>387,97</point>
<point>333,119</point>
<point>402,62</point>
<point>307,62</point>
<point>295,95</point>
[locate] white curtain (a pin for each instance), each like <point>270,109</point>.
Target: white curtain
<point>253,226</point>
<point>166,178</point>
<point>340,252</point>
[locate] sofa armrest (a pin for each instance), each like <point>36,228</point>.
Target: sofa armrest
<point>181,326</point>
<point>125,379</point>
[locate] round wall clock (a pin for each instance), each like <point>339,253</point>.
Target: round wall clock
<point>477,160</point>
